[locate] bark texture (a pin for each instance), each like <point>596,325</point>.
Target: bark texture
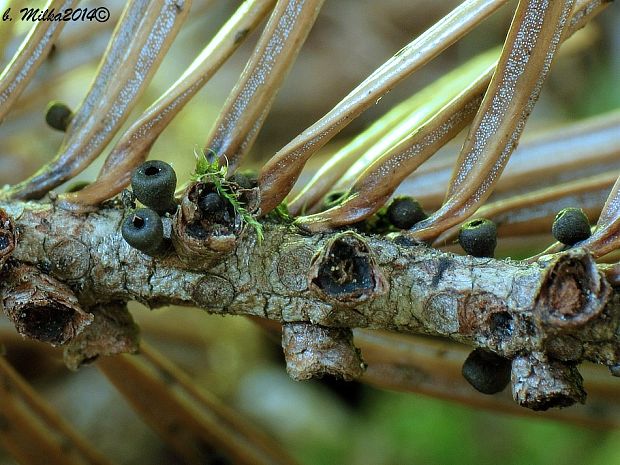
<point>546,316</point>
<point>312,351</point>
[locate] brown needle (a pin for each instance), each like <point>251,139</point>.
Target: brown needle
<point>380,180</point>
<point>531,44</point>
<point>33,50</point>
<point>135,144</point>
<point>159,25</point>
<point>281,172</point>
<point>248,104</point>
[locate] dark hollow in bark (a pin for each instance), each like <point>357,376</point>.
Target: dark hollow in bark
<point>206,227</point>
<point>203,229</point>
<point>345,271</point>
<point>573,293</point>
<point>41,307</point>
<point>313,351</point>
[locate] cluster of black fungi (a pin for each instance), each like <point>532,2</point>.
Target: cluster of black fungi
<point>154,184</point>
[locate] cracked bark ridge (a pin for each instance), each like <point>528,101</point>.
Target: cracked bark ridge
<point>8,237</point>
<point>112,332</point>
<point>41,307</point>
<point>345,273</point>
<point>540,383</point>
<point>206,226</point>
<point>312,351</point>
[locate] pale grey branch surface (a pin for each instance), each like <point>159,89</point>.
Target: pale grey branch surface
<point>401,287</point>
<point>563,306</point>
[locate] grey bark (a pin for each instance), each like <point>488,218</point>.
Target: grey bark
<point>560,308</point>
